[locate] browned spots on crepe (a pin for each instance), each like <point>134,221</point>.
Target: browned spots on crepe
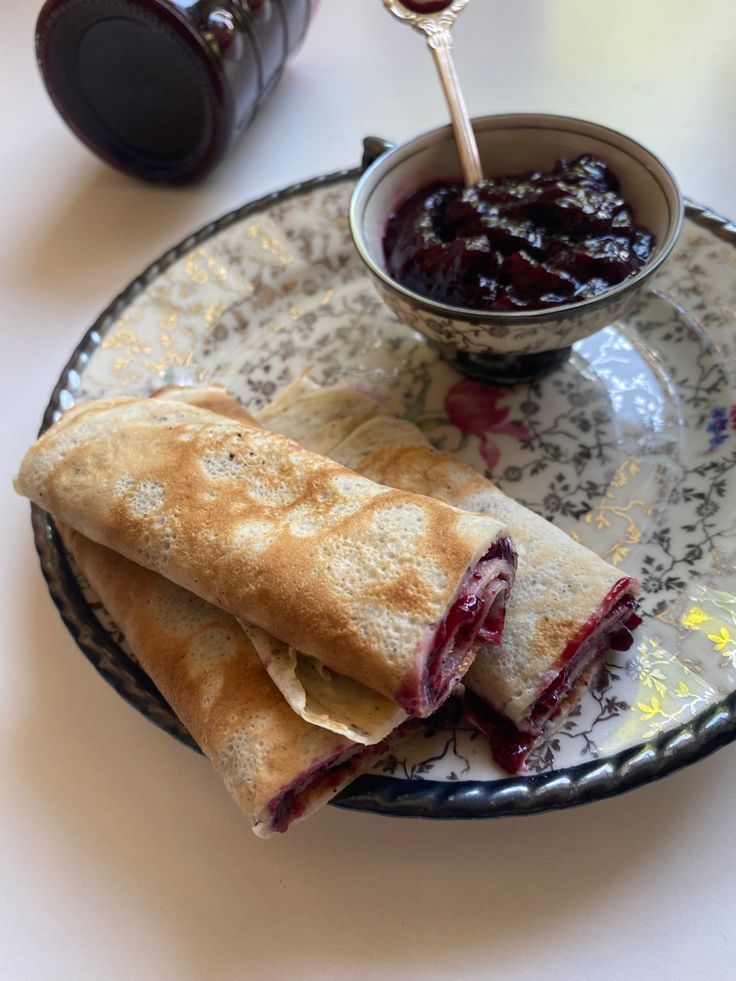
<point>553,634</point>
<point>560,584</point>
<point>206,668</point>
<point>214,398</point>
<point>351,572</point>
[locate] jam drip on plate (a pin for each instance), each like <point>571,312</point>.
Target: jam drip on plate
<point>518,243</point>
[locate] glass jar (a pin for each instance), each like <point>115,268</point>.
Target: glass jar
<point>162,88</point>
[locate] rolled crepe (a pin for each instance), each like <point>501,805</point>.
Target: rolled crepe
<point>277,768</point>
<point>391,589</point>
<point>318,695</point>
<point>568,607</point>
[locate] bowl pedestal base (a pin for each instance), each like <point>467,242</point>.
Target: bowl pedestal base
<point>505,369</point>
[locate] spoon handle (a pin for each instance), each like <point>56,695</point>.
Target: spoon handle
<point>441,47</point>
<point>433,19</point>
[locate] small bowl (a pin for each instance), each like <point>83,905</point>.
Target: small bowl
<point>507,348</point>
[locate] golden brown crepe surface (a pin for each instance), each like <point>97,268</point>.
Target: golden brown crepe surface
<point>559,582</point>
<point>317,694</point>
<point>207,670</point>
<point>352,573</point>
<point>214,397</point>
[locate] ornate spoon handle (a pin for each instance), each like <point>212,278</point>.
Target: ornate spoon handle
<point>435,25</point>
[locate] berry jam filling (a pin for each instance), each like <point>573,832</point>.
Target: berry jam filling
<point>478,612</point>
<point>293,802</point>
<point>512,743</point>
<point>509,745</point>
<point>426,6</point>
<point>523,242</point>
<point>325,779</point>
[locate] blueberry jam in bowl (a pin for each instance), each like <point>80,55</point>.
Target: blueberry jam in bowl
<point>571,221</point>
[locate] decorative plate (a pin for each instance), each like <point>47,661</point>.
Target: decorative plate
<point>630,446</point>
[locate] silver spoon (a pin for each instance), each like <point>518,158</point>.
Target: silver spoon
<point>434,18</point>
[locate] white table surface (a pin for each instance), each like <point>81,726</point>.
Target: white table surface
<point>121,855</point>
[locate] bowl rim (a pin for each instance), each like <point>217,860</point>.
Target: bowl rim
<point>368,183</point>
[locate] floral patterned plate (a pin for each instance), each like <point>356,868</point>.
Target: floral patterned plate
<point>630,446</point>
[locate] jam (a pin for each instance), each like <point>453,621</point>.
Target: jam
<point>518,243</point>
<point>426,6</point>
<point>474,614</point>
<point>610,628</point>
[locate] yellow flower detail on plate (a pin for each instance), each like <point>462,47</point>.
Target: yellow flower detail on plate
<point>695,616</point>
<point>649,710</point>
<point>721,639</point>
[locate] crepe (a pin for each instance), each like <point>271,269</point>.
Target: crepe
<point>213,396</point>
<point>277,768</point>
<point>388,588</point>
<point>319,417</point>
<point>316,694</point>
<point>568,607</point>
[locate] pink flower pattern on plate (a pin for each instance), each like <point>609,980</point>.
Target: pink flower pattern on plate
<point>476,410</point>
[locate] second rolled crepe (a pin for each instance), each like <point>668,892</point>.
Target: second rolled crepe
<point>386,587</point>
<point>568,609</point>
<point>277,768</point>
